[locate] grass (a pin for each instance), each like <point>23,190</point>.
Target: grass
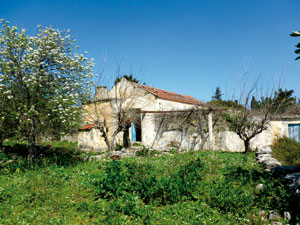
<point>190,188</point>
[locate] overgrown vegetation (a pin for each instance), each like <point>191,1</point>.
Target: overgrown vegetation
<point>287,151</point>
<point>194,187</point>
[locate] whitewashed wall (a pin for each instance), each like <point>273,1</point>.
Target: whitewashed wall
<point>149,129</point>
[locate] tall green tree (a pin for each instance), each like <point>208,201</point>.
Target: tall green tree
<point>297,51</point>
<point>283,100</point>
<point>218,95</point>
<point>254,105</point>
<point>42,82</point>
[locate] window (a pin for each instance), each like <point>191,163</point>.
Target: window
<point>294,131</point>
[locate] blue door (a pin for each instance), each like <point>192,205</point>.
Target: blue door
<point>133,132</point>
<point>294,131</point>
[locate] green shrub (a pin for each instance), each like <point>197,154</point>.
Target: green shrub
<point>112,184</point>
<point>119,179</point>
<point>287,151</point>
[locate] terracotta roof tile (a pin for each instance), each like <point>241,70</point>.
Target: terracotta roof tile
<point>170,95</point>
<point>87,127</point>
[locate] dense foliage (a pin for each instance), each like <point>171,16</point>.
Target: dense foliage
<point>195,187</point>
<point>42,83</point>
<point>282,101</point>
<point>121,179</point>
<point>287,151</point>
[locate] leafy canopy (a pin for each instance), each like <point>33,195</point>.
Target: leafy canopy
<point>280,103</point>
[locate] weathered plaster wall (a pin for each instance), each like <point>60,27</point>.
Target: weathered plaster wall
<point>150,136</point>
<point>90,141</point>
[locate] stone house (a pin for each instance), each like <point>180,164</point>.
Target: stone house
<point>145,103</point>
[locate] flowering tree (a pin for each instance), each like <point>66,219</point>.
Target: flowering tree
<point>42,82</point>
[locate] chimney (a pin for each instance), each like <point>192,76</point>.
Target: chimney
<point>101,93</point>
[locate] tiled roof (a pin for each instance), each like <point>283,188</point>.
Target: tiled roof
<point>87,127</point>
<point>170,95</point>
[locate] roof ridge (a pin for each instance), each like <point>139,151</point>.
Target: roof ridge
<point>169,95</point>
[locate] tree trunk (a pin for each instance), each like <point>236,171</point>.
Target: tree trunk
<point>106,141</point>
<point>104,135</point>
<point>126,140</point>
<point>32,150</point>
<point>113,139</point>
<point>247,145</point>
<point>203,141</point>
<point>32,144</point>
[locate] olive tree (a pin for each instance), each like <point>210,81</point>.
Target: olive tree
<point>42,82</point>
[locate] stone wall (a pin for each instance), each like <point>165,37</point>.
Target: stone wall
<point>222,141</point>
<point>230,141</point>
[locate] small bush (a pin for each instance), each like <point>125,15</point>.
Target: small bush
<point>287,151</point>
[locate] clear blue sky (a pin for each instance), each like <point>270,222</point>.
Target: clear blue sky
<point>189,47</point>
